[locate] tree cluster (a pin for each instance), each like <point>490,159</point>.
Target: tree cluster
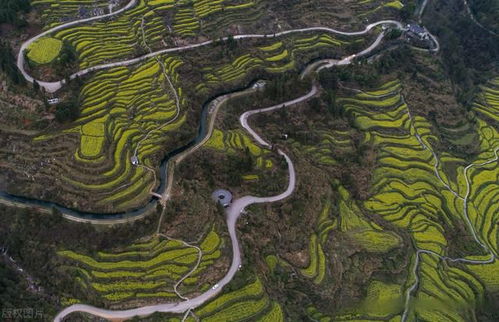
<point>469,53</point>
<point>8,63</point>
<point>9,11</point>
<point>67,111</point>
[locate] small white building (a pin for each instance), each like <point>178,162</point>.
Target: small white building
<point>53,101</point>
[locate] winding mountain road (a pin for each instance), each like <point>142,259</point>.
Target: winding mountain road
<point>53,87</point>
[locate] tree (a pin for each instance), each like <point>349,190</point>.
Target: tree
<point>9,11</point>
<point>328,78</point>
<point>231,42</point>
<point>8,63</point>
<point>67,112</point>
<point>67,55</point>
<point>36,86</point>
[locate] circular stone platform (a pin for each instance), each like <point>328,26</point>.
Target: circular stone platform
<point>222,196</point>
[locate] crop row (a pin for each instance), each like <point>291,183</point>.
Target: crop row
<point>325,150</point>
<point>487,103</point>
<point>316,269</point>
<point>55,12</point>
<point>246,13</point>
<point>190,16</point>
<point>105,40</point>
<point>395,4</point>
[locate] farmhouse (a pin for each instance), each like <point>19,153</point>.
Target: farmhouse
<point>418,32</point>
<point>53,101</point>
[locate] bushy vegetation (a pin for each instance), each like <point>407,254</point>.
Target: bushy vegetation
<point>9,11</point>
<point>8,63</point>
<point>467,50</point>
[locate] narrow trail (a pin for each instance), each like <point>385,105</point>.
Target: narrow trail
<point>218,102</point>
<point>426,147</point>
<point>238,206</point>
<point>475,21</point>
<point>468,191</point>
<point>419,252</point>
<point>182,279</point>
<point>162,198</point>
<point>151,188</point>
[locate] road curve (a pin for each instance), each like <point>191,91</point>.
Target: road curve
<point>243,119</point>
<point>233,213</point>
<point>215,104</point>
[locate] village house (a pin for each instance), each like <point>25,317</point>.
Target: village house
<point>418,32</point>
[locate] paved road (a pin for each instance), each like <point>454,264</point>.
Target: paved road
<point>238,206</point>
<point>213,110</point>
<point>243,119</point>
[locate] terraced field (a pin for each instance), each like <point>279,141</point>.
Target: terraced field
<point>147,270</point>
<point>411,190</point>
<point>163,23</point>
<point>368,234</point>
<point>487,103</point>
<point>103,40</point>
<point>316,270</point>
<point>233,141</point>
<point>249,302</point>
<point>329,12</point>
<point>381,302</point>
<point>55,12</point>
<point>124,116</point>
<point>351,222</point>
<point>423,193</point>
<point>138,111</point>
<point>130,116</point>
<point>123,113</point>
<point>274,57</point>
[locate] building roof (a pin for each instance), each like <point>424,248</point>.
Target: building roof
<point>224,197</point>
<point>417,29</point>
